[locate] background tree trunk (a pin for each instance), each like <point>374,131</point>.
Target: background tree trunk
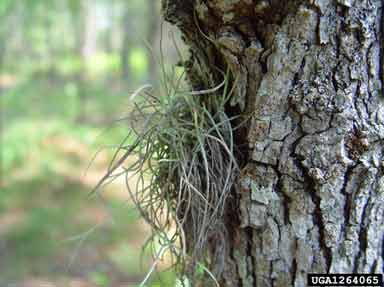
<point>125,45</point>
<point>152,32</point>
<point>85,29</point>
<point>310,193</point>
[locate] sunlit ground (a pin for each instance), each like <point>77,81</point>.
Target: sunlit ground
<point>53,232</point>
<point>67,69</point>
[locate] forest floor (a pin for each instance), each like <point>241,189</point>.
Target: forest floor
<point>53,233</point>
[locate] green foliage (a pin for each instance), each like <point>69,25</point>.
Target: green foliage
<point>6,7</point>
<point>69,65</point>
<point>38,235</point>
<point>74,6</point>
<point>102,64</point>
<point>138,61</point>
<point>54,103</point>
<point>126,258</point>
<point>34,155</point>
<point>49,218</point>
<point>27,138</point>
<point>101,279</point>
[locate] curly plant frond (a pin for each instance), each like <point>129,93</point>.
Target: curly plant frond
<point>181,150</point>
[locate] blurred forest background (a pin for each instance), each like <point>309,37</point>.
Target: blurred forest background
<point>67,68</point>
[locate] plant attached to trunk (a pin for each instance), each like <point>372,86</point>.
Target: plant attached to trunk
<point>184,150</point>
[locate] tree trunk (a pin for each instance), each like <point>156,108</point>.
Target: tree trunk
<point>152,32</point>
<point>309,197</point>
<point>125,48</point>
<point>86,34</point>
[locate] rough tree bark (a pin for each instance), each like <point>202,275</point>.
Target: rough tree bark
<point>310,193</point>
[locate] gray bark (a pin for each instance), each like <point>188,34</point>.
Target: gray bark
<point>310,194</point>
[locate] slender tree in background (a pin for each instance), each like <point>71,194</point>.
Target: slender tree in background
<point>50,54</point>
<point>85,46</point>
<point>109,37</point>
<point>125,45</point>
<point>152,37</point>
<point>310,192</point>
<point>89,37</point>
<point>6,9</point>
<point>2,48</point>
